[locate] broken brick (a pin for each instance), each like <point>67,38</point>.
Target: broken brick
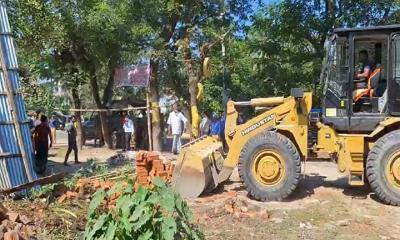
<point>232,194</point>
<point>141,164</point>
<point>13,216</point>
<point>106,185</point>
<point>153,156</point>
<point>62,198</point>
<point>141,171</point>
<point>71,194</point>
<point>158,163</point>
<point>25,220</point>
<point>229,208</point>
<point>140,156</point>
<point>59,190</point>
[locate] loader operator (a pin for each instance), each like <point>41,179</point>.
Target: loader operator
<point>364,67</point>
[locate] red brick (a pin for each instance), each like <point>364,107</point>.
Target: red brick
<point>141,164</point>
<point>62,198</point>
<point>152,156</point>
<point>141,179</point>
<point>140,156</point>
<point>232,194</point>
<point>141,170</point>
<point>157,163</point>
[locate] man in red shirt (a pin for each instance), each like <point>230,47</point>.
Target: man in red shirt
<point>42,136</point>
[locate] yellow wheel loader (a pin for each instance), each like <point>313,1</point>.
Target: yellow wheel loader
<point>357,126</point>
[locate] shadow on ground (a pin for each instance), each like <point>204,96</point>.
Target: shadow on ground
<point>307,188</point>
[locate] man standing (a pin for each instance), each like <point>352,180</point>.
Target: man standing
<point>72,145</point>
<point>52,125</point>
<point>129,130</point>
<point>176,126</point>
<point>216,125</point>
<point>42,135</point>
<point>204,124</point>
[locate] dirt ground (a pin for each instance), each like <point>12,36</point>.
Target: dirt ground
<point>322,207</point>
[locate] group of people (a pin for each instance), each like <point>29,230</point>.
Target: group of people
<point>44,133</point>
<point>44,136</point>
<point>177,124</point>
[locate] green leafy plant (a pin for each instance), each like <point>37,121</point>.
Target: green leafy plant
<point>157,213</point>
<point>43,191</point>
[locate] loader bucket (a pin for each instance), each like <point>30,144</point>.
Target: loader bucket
<point>196,168</point>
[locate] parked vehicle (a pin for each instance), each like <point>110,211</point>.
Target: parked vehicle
<point>92,129</point>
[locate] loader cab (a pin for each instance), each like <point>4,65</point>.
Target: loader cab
<point>361,81</point>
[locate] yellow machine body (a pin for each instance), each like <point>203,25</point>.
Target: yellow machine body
<point>202,165</point>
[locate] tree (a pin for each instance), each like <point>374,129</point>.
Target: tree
<point>287,38</point>
<point>85,38</point>
<point>200,24</point>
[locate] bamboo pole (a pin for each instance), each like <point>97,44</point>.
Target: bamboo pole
<point>107,110</point>
<point>149,120</point>
<point>13,106</point>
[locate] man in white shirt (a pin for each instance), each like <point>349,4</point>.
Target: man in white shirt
<point>176,126</point>
<point>129,129</point>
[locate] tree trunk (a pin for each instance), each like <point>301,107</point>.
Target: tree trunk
<point>78,105</point>
<point>193,81</point>
<point>154,100</point>
<point>103,117</point>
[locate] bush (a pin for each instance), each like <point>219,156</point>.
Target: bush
<point>157,213</point>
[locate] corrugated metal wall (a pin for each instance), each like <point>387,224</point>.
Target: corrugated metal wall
<point>12,171</point>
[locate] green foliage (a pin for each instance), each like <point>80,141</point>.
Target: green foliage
<point>37,96</point>
<point>42,191</point>
<point>157,213</point>
<point>287,38</point>
<point>278,47</point>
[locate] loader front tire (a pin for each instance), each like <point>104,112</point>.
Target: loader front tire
<point>383,168</point>
<point>269,166</point>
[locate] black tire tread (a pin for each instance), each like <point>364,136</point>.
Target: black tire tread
<point>374,170</point>
<point>267,138</point>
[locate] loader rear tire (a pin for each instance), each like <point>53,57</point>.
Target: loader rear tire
<point>383,168</point>
<point>267,184</point>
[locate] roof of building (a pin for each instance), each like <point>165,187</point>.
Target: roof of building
<point>393,27</point>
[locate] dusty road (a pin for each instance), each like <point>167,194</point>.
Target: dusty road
<point>323,207</point>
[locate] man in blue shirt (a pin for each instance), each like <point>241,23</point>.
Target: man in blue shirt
<point>218,126</point>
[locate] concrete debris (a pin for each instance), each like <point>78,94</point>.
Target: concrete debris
<point>25,220</point>
<point>277,220</point>
<point>306,225</point>
<point>15,226</point>
<point>343,223</point>
<point>13,216</point>
<point>121,158</point>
